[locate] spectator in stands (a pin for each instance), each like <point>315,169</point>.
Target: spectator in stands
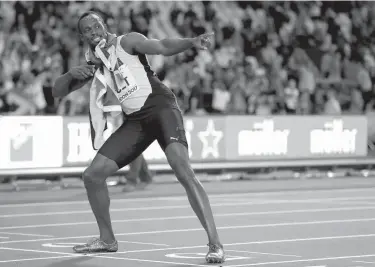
<point>305,106</point>
<point>291,96</point>
<point>264,105</point>
<point>221,97</point>
<point>239,96</point>
<point>194,85</point>
<point>356,102</point>
<point>332,105</point>
<point>12,102</point>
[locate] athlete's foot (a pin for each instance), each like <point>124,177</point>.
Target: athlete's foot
<point>129,188</point>
<point>96,245</point>
<point>215,254</point>
<point>142,185</point>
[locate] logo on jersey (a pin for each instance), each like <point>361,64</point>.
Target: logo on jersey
<point>126,83</point>
<point>127,93</point>
<point>119,90</point>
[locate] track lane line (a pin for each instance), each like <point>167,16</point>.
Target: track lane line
<point>91,255</point>
<point>303,260</point>
<point>247,203</point>
<point>201,229</point>
<point>238,214</point>
<point>211,196</point>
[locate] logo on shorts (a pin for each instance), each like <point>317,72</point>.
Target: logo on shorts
<point>174,138</point>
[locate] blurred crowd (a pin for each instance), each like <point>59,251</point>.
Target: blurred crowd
<point>308,57</point>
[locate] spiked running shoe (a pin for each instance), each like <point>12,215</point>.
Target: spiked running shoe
<point>96,245</point>
<point>215,254</point>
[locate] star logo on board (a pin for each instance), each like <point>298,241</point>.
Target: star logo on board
<point>210,139</point>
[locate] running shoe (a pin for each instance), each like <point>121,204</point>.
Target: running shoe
<point>129,188</point>
<point>215,254</point>
<point>142,185</point>
<point>96,245</point>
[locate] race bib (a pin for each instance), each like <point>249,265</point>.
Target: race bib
<point>125,81</point>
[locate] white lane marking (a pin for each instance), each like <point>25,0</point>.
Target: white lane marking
<point>304,260</point>
<point>41,258</point>
<point>263,253</point>
<point>278,241</point>
<point>200,229</point>
<point>89,255</point>
<point>23,234</point>
<point>144,243</point>
<point>247,203</point>
<point>183,198</point>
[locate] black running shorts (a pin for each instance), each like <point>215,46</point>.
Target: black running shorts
<point>134,136</point>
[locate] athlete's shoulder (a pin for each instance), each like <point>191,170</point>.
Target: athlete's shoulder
<point>130,40</point>
<point>135,36</point>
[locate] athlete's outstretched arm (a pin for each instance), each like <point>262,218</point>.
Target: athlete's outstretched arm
<point>74,79</point>
<point>167,47</point>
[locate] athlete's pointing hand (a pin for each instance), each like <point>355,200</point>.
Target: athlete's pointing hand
<point>203,41</point>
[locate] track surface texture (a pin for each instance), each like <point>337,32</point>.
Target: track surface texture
<point>304,223</point>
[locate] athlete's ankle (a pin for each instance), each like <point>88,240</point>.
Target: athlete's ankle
<point>108,238</point>
<point>215,242</point>
<point>131,183</point>
<point>108,241</point>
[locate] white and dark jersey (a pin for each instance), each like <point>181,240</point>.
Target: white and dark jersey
<point>143,93</point>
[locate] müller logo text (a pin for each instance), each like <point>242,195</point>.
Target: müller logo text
<point>263,140</point>
<point>333,139</point>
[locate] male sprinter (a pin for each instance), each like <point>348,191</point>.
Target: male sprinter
<point>152,114</point>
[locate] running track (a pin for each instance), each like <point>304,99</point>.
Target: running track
<point>317,223</point>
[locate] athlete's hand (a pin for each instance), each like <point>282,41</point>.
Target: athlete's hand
<point>203,42</point>
<point>82,72</point>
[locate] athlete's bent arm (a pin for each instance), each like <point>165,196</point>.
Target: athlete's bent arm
<point>72,80</point>
<point>166,47</point>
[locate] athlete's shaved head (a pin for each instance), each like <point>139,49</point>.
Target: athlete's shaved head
<point>92,28</point>
<point>87,14</point>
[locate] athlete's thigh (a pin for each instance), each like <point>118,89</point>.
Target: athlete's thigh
<point>169,127</point>
<point>126,143</point>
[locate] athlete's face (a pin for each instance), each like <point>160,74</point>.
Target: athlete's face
<point>92,29</point>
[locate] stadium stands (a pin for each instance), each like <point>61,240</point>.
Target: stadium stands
<point>268,58</point>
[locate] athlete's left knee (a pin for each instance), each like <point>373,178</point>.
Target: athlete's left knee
<point>178,159</point>
<point>97,172</point>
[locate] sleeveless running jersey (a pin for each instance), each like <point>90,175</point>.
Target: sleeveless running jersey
<point>141,92</point>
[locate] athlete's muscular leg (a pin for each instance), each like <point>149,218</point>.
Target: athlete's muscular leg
<point>94,178</point>
<point>178,158</point>
<point>172,140</point>
<point>144,173</point>
<point>121,148</point>
<point>134,170</point>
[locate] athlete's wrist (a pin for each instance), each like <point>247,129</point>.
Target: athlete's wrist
<point>192,41</point>
<point>70,75</point>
